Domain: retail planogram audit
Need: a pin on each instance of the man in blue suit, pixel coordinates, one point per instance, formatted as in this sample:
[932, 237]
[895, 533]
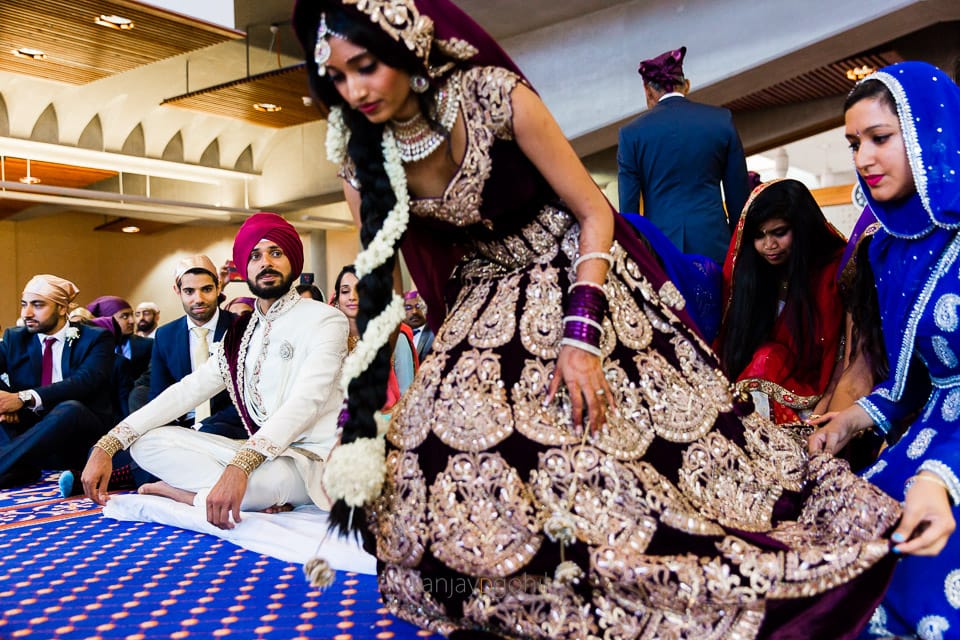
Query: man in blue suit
[674, 157]
[55, 402]
[183, 345]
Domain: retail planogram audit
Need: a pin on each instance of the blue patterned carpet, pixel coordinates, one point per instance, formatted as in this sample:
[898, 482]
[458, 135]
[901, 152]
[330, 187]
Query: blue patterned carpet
[67, 572]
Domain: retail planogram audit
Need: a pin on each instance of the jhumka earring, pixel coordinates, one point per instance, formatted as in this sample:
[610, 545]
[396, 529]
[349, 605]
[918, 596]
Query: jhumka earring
[419, 84]
[321, 51]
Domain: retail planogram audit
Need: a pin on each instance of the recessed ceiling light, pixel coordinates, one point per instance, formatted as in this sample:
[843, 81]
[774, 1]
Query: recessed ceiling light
[30, 180]
[114, 22]
[131, 229]
[267, 107]
[27, 52]
[859, 73]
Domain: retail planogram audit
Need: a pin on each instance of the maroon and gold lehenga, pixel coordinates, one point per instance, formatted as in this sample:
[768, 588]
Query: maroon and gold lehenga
[688, 516]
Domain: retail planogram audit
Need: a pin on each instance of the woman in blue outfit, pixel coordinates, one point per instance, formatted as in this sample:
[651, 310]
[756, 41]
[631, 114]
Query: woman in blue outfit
[902, 124]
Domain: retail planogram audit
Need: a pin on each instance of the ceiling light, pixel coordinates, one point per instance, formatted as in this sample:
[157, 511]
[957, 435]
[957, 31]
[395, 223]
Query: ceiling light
[114, 22]
[28, 179]
[859, 73]
[27, 52]
[267, 107]
[131, 229]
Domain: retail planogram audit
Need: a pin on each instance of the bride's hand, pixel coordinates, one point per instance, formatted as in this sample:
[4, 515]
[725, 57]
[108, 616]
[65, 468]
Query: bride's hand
[836, 429]
[582, 374]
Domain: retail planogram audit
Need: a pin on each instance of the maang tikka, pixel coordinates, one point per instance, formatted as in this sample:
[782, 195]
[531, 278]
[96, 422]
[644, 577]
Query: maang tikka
[321, 51]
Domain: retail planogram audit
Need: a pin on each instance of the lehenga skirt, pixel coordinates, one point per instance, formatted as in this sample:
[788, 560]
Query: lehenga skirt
[686, 516]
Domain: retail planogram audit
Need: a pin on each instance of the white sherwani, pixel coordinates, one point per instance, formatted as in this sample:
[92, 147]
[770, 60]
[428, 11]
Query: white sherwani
[289, 386]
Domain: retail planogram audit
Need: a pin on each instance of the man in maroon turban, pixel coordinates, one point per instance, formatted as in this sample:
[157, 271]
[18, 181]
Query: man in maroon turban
[673, 158]
[281, 365]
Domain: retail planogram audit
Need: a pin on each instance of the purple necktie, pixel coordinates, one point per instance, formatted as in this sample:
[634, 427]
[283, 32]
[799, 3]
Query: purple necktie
[46, 365]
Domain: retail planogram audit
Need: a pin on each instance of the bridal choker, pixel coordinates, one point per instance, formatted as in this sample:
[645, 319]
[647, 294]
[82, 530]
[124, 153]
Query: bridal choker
[416, 139]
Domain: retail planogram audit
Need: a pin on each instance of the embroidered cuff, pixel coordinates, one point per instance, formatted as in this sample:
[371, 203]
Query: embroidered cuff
[267, 448]
[247, 460]
[109, 445]
[879, 420]
[124, 433]
[946, 474]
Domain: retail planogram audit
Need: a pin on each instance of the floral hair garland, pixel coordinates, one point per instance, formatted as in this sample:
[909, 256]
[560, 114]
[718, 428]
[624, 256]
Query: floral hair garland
[364, 454]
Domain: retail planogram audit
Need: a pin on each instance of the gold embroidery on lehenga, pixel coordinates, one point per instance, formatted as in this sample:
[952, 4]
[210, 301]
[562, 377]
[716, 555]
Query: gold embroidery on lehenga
[550, 425]
[709, 381]
[531, 607]
[481, 520]
[720, 481]
[414, 414]
[535, 242]
[671, 296]
[471, 412]
[629, 429]
[541, 325]
[595, 496]
[675, 511]
[631, 325]
[498, 322]
[678, 411]
[777, 455]
[404, 595]
[461, 318]
[672, 597]
[397, 517]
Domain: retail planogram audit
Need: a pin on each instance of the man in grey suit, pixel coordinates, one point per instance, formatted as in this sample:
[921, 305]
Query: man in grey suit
[416, 319]
[674, 157]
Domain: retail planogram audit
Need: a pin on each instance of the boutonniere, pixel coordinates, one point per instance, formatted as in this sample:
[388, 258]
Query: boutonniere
[72, 334]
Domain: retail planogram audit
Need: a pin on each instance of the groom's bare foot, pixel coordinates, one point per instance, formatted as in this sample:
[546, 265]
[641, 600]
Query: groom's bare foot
[279, 508]
[167, 491]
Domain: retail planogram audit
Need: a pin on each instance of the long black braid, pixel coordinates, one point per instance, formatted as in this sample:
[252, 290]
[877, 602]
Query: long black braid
[368, 391]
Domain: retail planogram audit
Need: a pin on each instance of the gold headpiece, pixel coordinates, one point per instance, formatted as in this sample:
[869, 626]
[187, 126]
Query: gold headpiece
[402, 21]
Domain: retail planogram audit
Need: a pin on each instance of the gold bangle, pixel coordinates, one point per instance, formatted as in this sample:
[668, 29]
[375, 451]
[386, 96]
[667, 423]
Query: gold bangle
[933, 479]
[109, 444]
[247, 460]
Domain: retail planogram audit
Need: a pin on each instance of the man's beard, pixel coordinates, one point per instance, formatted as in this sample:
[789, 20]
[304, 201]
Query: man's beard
[271, 292]
[145, 326]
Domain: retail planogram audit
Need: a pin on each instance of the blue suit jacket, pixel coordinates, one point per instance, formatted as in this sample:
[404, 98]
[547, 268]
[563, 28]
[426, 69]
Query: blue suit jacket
[86, 364]
[676, 155]
[170, 362]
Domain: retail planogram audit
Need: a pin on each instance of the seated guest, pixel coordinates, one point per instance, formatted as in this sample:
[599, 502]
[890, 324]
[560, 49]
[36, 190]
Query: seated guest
[311, 291]
[57, 402]
[147, 316]
[416, 310]
[404, 359]
[184, 345]
[282, 366]
[79, 315]
[240, 306]
[780, 335]
[134, 348]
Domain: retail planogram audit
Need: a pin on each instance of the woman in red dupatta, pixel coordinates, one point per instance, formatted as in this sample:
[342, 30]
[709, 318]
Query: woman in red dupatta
[783, 315]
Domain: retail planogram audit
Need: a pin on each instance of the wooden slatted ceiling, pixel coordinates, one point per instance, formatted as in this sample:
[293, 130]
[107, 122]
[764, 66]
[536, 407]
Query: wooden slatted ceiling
[50, 174]
[53, 174]
[285, 87]
[79, 51]
[829, 80]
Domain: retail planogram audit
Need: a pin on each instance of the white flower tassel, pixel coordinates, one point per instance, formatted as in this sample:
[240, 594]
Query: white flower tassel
[319, 573]
[354, 472]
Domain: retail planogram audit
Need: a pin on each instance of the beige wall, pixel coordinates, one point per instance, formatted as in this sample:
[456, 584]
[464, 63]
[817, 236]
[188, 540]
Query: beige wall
[133, 266]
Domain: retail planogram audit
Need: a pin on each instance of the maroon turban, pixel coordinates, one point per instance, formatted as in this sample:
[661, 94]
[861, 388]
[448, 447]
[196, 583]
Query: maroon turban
[267, 226]
[106, 306]
[665, 70]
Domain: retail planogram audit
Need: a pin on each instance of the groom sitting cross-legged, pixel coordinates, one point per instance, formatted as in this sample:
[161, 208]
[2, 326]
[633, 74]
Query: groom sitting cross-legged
[281, 365]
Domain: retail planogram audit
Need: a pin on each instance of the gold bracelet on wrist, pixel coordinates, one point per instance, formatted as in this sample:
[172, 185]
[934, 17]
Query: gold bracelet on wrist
[933, 479]
[247, 460]
[110, 444]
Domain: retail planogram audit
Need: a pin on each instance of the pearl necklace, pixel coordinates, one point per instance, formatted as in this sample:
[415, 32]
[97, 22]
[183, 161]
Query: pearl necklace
[416, 139]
